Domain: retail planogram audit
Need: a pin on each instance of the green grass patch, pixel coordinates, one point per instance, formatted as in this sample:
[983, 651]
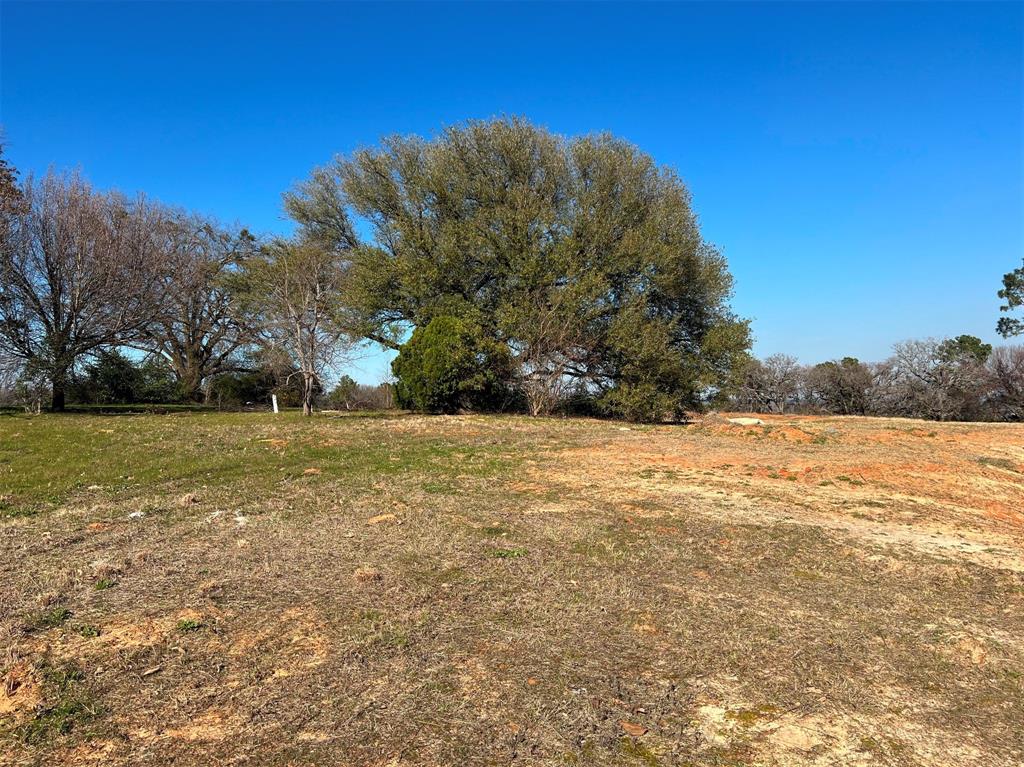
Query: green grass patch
[509, 553]
[52, 618]
[48, 460]
[67, 705]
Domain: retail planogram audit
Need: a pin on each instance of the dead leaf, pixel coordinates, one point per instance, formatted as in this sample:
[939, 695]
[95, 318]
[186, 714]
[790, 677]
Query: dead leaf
[631, 728]
[381, 518]
[311, 472]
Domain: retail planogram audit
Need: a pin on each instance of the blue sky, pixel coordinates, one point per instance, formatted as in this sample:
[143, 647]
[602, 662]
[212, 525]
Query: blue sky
[859, 164]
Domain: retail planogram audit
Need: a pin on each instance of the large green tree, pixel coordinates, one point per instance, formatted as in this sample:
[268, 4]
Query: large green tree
[582, 256]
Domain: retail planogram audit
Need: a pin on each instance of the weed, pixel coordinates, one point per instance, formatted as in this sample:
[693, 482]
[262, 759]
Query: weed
[509, 553]
[88, 631]
[189, 625]
[52, 618]
[104, 583]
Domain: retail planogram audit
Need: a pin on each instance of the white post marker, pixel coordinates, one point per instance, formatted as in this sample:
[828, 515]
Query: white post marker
[273, 400]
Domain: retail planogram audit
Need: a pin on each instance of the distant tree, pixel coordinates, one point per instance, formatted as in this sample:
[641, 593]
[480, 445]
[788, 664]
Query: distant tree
[349, 395]
[10, 372]
[114, 378]
[32, 386]
[582, 257]
[254, 386]
[964, 349]
[1005, 369]
[1013, 294]
[77, 273]
[343, 393]
[293, 291]
[771, 384]
[111, 378]
[941, 380]
[449, 365]
[11, 203]
[197, 325]
[841, 386]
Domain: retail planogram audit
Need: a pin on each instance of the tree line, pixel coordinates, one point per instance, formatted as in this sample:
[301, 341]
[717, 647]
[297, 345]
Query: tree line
[509, 267]
[954, 379]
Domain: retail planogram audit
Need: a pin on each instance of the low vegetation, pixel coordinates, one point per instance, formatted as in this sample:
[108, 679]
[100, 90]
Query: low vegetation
[394, 589]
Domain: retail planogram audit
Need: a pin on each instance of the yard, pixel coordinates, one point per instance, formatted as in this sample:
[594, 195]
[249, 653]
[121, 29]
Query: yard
[396, 590]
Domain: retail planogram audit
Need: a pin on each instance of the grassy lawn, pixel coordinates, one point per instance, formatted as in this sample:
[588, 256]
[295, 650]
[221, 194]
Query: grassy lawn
[204, 588]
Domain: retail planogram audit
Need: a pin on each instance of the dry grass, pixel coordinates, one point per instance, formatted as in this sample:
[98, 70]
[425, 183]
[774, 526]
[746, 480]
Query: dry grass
[204, 589]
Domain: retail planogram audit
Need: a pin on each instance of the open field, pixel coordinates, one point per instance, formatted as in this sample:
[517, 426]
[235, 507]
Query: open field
[197, 589]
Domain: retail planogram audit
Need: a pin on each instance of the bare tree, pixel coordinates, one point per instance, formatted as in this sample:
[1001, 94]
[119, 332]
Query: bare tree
[772, 384]
[1005, 373]
[940, 380]
[293, 290]
[77, 272]
[840, 386]
[198, 327]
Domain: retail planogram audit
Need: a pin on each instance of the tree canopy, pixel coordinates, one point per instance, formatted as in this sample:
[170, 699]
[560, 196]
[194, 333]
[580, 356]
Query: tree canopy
[581, 256]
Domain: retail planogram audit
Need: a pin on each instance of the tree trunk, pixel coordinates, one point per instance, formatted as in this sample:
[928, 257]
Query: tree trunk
[307, 395]
[190, 382]
[57, 403]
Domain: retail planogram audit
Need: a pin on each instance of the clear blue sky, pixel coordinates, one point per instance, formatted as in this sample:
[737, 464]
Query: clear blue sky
[860, 164]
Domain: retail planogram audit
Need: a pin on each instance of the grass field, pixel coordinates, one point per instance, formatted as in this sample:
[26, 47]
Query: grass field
[200, 588]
